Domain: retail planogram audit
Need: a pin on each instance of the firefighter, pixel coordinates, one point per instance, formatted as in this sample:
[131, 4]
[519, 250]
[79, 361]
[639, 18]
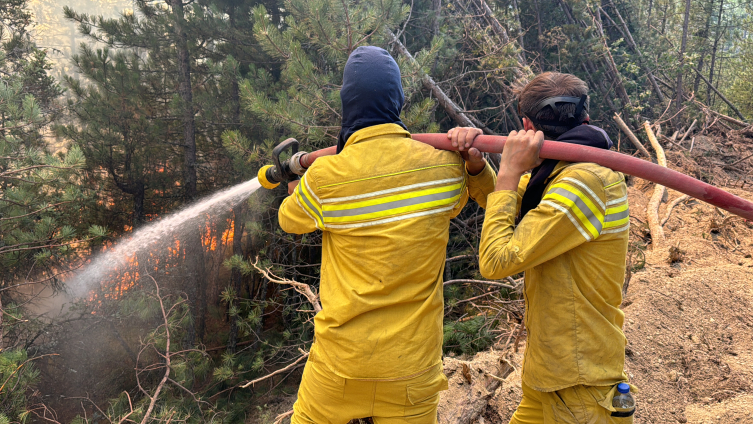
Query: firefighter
[571, 240]
[384, 205]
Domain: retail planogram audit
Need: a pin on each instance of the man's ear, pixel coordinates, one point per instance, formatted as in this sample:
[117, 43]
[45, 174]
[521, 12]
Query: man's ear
[528, 125]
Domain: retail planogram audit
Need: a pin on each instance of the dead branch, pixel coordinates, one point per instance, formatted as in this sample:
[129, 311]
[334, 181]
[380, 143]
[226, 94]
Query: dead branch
[672, 206]
[711, 86]
[301, 288]
[741, 160]
[652, 210]
[279, 418]
[452, 109]
[633, 139]
[281, 370]
[166, 356]
[684, 136]
[722, 116]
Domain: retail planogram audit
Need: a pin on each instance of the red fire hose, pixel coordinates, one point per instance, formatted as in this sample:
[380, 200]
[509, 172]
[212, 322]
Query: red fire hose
[610, 159]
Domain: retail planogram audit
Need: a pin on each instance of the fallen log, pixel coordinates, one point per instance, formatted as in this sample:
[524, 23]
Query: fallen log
[652, 210]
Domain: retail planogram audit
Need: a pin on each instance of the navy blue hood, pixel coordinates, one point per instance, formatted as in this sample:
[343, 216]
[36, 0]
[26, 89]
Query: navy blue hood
[372, 93]
[584, 135]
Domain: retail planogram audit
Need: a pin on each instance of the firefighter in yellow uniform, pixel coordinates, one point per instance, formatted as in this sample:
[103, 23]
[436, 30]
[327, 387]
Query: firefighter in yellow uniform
[384, 205]
[571, 240]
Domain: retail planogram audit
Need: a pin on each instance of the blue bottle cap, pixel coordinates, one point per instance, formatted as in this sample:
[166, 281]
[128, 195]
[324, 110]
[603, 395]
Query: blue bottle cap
[623, 388]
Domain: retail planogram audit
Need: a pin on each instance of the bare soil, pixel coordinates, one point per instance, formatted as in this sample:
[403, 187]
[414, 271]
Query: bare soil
[689, 315]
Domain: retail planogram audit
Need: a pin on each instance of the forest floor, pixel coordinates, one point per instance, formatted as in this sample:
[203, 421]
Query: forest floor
[688, 315]
[688, 319]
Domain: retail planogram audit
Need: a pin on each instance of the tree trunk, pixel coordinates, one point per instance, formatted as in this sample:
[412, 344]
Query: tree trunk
[516, 10]
[540, 32]
[704, 35]
[436, 7]
[679, 93]
[186, 94]
[138, 216]
[717, 37]
[631, 42]
[194, 257]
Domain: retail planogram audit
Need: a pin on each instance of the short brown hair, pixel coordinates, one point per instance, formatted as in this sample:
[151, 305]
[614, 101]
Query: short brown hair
[551, 84]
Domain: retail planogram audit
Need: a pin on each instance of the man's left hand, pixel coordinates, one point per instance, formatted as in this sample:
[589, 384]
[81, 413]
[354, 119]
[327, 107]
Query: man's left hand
[462, 138]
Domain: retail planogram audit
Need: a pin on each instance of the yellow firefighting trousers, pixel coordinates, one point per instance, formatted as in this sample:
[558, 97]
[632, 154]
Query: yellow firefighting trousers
[324, 397]
[573, 405]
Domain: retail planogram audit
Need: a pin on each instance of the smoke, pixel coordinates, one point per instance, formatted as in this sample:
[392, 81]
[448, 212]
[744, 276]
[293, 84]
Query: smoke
[158, 236]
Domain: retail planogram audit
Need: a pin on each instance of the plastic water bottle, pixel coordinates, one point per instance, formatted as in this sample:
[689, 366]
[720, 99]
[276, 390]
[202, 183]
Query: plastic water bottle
[623, 401]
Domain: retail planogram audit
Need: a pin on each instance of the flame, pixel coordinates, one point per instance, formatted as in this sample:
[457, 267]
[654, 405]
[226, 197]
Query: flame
[215, 237]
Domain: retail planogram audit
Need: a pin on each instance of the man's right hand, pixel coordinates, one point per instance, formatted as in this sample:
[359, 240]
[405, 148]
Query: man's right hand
[462, 138]
[292, 185]
[520, 154]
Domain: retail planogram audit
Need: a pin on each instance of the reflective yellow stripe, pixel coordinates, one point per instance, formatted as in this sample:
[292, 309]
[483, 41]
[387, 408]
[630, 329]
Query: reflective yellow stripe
[614, 184]
[617, 209]
[582, 207]
[397, 210]
[617, 216]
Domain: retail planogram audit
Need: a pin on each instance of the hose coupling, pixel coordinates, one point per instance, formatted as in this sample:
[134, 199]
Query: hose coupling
[295, 163]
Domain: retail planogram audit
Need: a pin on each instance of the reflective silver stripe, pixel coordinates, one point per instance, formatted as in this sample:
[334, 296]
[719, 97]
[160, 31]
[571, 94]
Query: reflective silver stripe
[310, 205]
[392, 190]
[572, 219]
[581, 205]
[617, 230]
[308, 189]
[617, 216]
[298, 200]
[392, 205]
[394, 218]
[616, 201]
[587, 189]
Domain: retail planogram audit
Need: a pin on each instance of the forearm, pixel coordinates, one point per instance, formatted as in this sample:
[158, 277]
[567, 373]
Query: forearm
[497, 255]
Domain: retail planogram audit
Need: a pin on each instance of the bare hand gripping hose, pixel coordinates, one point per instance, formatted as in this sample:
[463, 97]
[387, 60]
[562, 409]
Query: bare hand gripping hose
[575, 153]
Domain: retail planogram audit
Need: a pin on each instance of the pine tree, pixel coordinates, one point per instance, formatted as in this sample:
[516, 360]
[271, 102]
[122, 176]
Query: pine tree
[39, 190]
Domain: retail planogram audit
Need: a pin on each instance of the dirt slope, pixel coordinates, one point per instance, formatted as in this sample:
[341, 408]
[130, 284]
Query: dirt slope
[689, 323]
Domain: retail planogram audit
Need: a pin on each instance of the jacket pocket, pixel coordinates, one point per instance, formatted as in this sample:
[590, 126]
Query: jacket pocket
[428, 387]
[615, 417]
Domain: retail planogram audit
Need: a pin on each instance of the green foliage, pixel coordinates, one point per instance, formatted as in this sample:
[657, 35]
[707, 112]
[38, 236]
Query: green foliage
[39, 187]
[17, 374]
[467, 336]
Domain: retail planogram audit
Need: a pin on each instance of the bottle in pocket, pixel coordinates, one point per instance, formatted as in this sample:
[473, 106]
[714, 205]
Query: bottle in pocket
[623, 402]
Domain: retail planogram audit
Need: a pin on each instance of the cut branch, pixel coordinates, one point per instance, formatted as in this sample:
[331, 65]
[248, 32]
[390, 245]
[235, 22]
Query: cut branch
[633, 139]
[652, 210]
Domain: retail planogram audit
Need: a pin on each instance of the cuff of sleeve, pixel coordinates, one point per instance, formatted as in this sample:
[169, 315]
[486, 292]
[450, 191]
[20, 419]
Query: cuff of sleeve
[503, 201]
[486, 172]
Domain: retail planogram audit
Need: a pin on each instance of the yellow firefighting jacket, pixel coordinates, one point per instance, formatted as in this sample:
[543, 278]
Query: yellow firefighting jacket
[572, 247]
[384, 205]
